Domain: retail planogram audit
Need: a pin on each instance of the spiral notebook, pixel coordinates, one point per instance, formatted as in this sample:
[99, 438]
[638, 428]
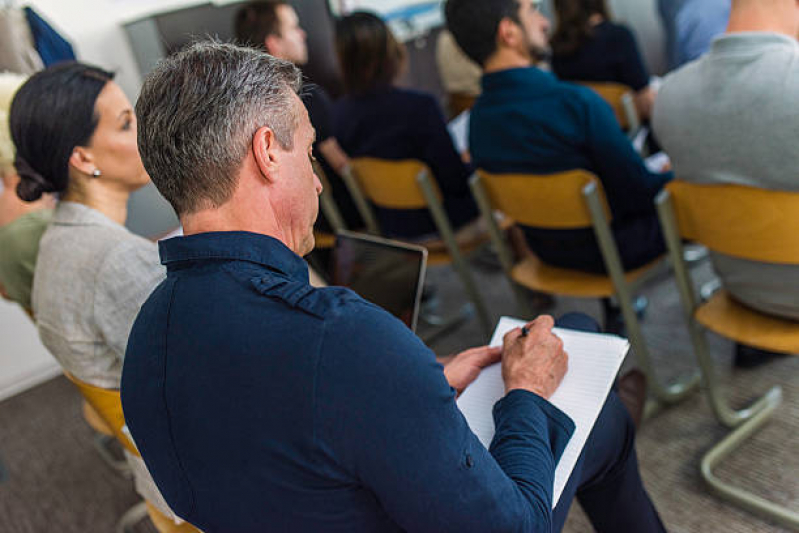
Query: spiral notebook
[594, 361]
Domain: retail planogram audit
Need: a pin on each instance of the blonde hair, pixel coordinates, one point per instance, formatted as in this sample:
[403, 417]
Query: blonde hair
[9, 83]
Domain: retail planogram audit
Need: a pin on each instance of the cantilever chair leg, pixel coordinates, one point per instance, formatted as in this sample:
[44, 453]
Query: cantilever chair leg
[498, 240]
[744, 422]
[103, 445]
[749, 501]
[458, 261]
[670, 393]
[132, 516]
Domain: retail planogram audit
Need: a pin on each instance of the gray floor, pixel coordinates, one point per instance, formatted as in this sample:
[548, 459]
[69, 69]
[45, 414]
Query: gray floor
[56, 481]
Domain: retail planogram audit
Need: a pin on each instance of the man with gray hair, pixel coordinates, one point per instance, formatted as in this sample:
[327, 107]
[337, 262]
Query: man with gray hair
[731, 118]
[262, 404]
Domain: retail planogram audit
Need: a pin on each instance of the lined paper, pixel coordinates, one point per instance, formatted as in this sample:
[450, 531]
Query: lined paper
[594, 361]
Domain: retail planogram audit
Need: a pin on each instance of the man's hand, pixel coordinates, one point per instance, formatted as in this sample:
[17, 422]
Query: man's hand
[466, 366]
[534, 362]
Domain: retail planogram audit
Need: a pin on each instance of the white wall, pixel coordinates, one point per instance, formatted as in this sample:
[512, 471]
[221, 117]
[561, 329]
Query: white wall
[93, 27]
[24, 362]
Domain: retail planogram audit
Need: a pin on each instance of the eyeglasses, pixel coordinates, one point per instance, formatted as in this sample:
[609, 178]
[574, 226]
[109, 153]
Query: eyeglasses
[537, 5]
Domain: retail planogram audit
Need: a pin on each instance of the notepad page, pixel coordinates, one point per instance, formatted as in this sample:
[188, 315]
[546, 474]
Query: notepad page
[594, 361]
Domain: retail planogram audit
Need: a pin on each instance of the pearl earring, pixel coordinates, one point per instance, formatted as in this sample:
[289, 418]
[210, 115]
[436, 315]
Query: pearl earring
[97, 173]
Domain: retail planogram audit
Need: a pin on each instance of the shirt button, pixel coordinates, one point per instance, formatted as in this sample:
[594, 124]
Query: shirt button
[469, 461]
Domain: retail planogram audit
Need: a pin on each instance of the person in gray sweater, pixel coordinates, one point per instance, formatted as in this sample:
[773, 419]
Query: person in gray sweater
[732, 117]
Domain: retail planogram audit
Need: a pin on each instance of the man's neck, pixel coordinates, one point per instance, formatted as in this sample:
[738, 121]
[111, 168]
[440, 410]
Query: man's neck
[755, 17]
[506, 60]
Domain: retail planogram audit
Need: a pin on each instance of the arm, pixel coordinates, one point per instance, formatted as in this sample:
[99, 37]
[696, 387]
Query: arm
[130, 272]
[632, 72]
[408, 443]
[333, 154]
[629, 186]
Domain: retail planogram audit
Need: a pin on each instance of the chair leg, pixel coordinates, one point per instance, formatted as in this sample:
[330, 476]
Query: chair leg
[132, 516]
[103, 445]
[444, 326]
[761, 413]
[669, 393]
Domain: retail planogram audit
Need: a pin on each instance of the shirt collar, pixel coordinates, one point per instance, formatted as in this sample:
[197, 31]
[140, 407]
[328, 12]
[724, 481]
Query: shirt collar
[750, 41]
[235, 246]
[75, 214]
[512, 78]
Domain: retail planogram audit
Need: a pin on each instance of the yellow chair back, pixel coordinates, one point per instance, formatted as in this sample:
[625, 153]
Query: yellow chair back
[108, 404]
[744, 222]
[553, 201]
[613, 94]
[391, 184]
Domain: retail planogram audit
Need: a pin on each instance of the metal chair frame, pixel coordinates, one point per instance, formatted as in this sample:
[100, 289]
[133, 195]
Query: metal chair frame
[667, 394]
[744, 422]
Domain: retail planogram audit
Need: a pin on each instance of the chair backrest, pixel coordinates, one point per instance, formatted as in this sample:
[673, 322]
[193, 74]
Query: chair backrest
[553, 201]
[744, 222]
[391, 184]
[108, 404]
[619, 96]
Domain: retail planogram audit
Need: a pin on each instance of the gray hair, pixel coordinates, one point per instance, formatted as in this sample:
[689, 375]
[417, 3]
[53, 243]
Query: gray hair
[198, 111]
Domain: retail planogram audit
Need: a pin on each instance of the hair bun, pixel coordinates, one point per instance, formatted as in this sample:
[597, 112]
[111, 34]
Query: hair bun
[31, 184]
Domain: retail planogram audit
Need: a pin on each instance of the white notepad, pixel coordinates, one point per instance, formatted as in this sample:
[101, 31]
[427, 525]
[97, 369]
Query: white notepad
[594, 361]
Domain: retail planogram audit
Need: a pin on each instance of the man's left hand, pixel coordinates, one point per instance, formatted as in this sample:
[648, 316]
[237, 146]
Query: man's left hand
[466, 366]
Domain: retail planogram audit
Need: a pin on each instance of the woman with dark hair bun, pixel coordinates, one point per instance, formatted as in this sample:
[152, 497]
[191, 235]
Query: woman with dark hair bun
[377, 119]
[587, 47]
[75, 134]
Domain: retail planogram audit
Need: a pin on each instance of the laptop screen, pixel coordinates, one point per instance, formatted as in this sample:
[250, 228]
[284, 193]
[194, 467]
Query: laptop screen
[387, 273]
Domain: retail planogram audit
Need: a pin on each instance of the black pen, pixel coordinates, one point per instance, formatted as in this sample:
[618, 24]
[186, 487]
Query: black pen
[525, 331]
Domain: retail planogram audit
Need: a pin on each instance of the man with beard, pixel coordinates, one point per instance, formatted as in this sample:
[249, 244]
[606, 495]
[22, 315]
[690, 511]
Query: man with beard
[527, 121]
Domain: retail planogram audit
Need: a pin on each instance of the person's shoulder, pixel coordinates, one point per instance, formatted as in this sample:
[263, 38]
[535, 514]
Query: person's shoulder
[616, 31]
[327, 303]
[414, 97]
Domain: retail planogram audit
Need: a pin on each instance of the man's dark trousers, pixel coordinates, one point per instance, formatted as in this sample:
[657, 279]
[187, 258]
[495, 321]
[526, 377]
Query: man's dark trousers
[606, 480]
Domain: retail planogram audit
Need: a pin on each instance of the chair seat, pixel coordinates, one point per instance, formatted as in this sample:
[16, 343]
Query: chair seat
[324, 240]
[164, 524]
[532, 273]
[723, 315]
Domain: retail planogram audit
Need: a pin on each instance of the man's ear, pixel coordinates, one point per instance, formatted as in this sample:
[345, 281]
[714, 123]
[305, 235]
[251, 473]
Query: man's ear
[265, 150]
[270, 44]
[82, 160]
[507, 33]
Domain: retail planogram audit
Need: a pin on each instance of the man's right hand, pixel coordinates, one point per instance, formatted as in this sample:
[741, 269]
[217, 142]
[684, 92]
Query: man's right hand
[535, 362]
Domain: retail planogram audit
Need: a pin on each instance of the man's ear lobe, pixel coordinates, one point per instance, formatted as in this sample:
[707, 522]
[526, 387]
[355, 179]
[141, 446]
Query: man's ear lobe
[265, 151]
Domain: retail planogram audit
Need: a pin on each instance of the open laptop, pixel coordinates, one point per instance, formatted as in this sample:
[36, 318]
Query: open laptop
[387, 273]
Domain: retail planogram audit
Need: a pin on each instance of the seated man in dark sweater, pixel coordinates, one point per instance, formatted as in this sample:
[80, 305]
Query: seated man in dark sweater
[260, 403]
[526, 121]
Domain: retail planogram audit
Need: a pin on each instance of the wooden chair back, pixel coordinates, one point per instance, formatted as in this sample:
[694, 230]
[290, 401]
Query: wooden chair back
[614, 94]
[108, 404]
[744, 222]
[391, 184]
[551, 201]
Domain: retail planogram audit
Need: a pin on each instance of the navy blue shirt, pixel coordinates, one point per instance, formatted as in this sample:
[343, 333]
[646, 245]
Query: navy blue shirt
[260, 403]
[393, 123]
[610, 54]
[527, 121]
